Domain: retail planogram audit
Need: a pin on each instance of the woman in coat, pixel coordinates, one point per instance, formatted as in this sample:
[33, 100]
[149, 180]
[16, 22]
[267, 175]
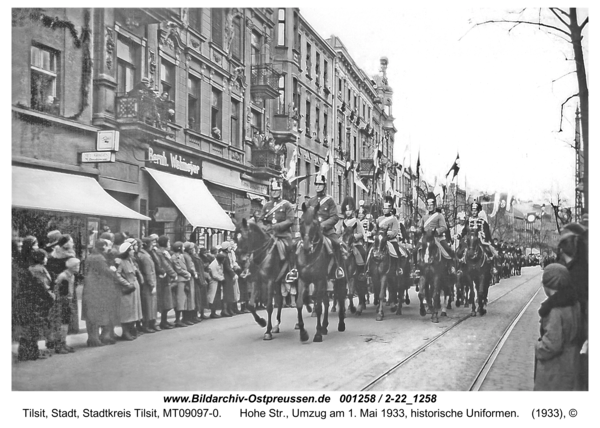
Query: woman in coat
[229, 300]
[190, 313]
[201, 283]
[129, 279]
[99, 301]
[557, 349]
[166, 277]
[148, 271]
[182, 285]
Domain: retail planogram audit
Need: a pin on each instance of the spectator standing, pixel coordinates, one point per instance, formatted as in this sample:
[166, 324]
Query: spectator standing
[182, 285]
[148, 271]
[215, 284]
[64, 290]
[129, 279]
[229, 300]
[164, 281]
[201, 264]
[190, 313]
[557, 349]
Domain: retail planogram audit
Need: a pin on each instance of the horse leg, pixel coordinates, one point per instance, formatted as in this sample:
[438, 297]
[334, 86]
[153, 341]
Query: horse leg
[268, 335]
[279, 304]
[320, 294]
[341, 297]
[325, 322]
[252, 307]
[351, 293]
[299, 305]
[422, 296]
[436, 299]
[382, 292]
[360, 291]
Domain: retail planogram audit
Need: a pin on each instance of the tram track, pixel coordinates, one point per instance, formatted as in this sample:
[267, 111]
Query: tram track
[488, 362]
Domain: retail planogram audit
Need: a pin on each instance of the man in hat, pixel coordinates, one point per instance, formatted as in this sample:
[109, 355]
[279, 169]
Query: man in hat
[477, 222]
[328, 218]
[435, 221]
[277, 217]
[350, 221]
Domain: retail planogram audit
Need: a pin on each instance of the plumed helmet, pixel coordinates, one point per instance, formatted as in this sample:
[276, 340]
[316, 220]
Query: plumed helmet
[348, 204]
[389, 202]
[476, 206]
[320, 179]
[363, 210]
[431, 196]
[275, 185]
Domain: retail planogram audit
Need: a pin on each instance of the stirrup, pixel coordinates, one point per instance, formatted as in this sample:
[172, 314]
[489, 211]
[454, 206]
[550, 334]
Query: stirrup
[339, 273]
[292, 276]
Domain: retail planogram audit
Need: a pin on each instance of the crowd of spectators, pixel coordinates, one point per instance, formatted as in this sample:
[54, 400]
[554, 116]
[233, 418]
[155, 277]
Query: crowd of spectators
[127, 282]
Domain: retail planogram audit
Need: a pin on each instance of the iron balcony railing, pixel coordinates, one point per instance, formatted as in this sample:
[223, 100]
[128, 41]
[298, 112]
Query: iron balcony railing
[146, 107]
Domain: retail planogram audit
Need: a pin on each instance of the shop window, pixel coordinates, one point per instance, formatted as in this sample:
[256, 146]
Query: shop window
[194, 103]
[281, 27]
[235, 123]
[281, 99]
[44, 73]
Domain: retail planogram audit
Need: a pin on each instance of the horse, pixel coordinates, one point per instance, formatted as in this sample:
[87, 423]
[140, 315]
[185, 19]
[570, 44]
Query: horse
[478, 268]
[464, 281]
[266, 270]
[313, 263]
[432, 272]
[357, 282]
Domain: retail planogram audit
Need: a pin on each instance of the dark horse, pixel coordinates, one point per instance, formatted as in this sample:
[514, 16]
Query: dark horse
[266, 270]
[357, 281]
[313, 263]
[432, 269]
[478, 269]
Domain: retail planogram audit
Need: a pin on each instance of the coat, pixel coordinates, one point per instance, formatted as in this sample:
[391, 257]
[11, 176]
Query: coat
[328, 213]
[557, 351]
[35, 298]
[182, 283]
[148, 271]
[131, 304]
[163, 289]
[278, 218]
[229, 282]
[101, 297]
[190, 294]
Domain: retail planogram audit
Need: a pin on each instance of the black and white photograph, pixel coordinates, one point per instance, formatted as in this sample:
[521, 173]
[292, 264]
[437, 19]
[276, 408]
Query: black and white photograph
[344, 210]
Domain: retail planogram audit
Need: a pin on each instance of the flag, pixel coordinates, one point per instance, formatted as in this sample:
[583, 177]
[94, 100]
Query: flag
[509, 199]
[496, 204]
[455, 167]
[358, 181]
[503, 203]
[294, 181]
[419, 166]
[403, 160]
[292, 169]
[324, 170]
[387, 183]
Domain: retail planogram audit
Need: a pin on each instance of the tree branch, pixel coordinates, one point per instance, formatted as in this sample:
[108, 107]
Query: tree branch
[559, 17]
[564, 75]
[537, 24]
[562, 106]
[584, 23]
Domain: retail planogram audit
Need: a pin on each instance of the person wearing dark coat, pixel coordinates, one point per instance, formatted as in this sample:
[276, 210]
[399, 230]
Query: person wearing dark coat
[557, 349]
[34, 301]
[164, 281]
[201, 283]
[190, 313]
[228, 284]
[148, 271]
[182, 283]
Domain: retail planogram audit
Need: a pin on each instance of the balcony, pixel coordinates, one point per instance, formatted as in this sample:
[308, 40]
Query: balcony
[366, 167]
[266, 163]
[264, 81]
[144, 111]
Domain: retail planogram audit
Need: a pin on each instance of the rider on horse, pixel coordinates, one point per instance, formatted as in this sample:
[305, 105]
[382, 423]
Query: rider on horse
[476, 222]
[363, 216]
[389, 224]
[350, 221]
[328, 218]
[434, 220]
[278, 217]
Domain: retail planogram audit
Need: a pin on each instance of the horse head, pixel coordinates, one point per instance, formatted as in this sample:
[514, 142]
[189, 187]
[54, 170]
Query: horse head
[429, 246]
[348, 240]
[310, 227]
[249, 236]
[380, 248]
[473, 245]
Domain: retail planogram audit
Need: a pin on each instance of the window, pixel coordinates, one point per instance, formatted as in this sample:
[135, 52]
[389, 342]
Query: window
[235, 128]
[195, 19]
[340, 133]
[355, 102]
[296, 94]
[256, 43]
[340, 192]
[364, 110]
[216, 19]
[296, 32]
[194, 103]
[318, 66]
[317, 122]
[307, 118]
[281, 98]
[308, 59]
[43, 80]
[281, 27]
[325, 72]
[349, 99]
[369, 112]
[307, 188]
[167, 79]
[355, 148]
[215, 113]
[236, 43]
[256, 123]
[325, 121]
[126, 65]
[340, 87]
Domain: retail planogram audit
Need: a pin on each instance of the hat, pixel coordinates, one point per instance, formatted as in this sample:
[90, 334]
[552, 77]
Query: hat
[108, 236]
[576, 228]
[556, 277]
[320, 179]
[389, 202]
[476, 205]
[566, 234]
[163, 241]
[154, 236]
[72, 261]
[226, 245]
[348, 204]
[275, 185]
[147, 240]
[63, 240]
[177, 246]
[53, 237]
[188, 245]
[431, 195]
[124, 247]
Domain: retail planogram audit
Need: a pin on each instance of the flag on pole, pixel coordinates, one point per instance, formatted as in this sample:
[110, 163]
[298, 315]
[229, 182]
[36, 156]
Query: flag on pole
[292, 169]
[358, 181]
[294, 181]
[455, 167]
[496, 204]
[419, 166]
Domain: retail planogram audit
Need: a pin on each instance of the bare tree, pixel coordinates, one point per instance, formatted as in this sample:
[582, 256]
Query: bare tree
[563, 23]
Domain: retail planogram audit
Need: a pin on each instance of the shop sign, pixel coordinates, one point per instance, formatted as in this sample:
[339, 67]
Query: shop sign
[258, 188]
[107, 141]
[173, 161]
[97, 157]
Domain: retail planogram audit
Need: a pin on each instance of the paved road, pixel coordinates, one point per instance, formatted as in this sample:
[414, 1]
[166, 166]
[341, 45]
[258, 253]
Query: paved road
[230, 354]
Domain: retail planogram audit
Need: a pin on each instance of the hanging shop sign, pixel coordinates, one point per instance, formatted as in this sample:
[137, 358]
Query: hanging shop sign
[107, 141]
[97, 157]
[173, 162]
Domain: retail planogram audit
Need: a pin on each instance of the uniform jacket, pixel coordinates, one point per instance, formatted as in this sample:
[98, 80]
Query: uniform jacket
[390, 225]
[359, 232]
[280, 221]
[368, 227]
[437, 223]
[478, 224]
[328, 213]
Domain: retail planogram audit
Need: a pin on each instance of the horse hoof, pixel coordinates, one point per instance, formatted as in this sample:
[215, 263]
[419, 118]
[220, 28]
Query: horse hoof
[429, 312]
[407, 301]
[435, 319]
[318, 338]
[379, 317]
[352, 310]
[303, 335]
[341, 326]
[324, 331]
[394, 309]
[399, 311]
[268, 336]
[275, 329]
[297, 326]
[261, 322]
[422, 311]
[308, 309]
[443, 314]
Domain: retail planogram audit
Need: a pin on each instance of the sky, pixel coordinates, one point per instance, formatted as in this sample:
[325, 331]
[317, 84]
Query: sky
[490, 95]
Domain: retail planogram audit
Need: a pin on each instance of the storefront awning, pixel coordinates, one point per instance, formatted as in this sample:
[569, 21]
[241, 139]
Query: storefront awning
[38, 189]
[193, 199]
